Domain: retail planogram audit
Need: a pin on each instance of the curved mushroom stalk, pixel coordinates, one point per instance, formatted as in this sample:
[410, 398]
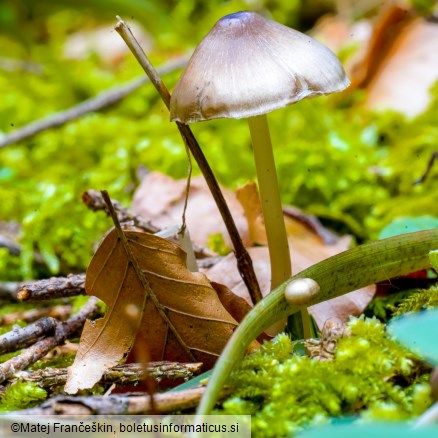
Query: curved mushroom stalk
[270, 200]
[245, 67]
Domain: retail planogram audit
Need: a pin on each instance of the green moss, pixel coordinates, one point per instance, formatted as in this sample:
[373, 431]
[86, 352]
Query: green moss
[370, 374]
[425, 7]
[217, 244]
[335, 159]
[21, 395]
[62, 361]
[383, 307]
[418, 300]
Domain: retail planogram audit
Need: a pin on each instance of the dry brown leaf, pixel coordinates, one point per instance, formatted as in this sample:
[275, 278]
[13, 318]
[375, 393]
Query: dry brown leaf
[403, 82]
[307, 244]
[248, 196]
[235, 305]
[297, 222]
[304, 252]
[159, 192]
[186, 298]
[399, 64]
[238, 308]
[160, 199]
[104, 43]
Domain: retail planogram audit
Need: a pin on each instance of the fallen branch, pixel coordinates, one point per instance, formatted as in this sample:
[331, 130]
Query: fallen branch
[96, 103]
[8, 290]
[59, 287]
[311, 222]
[94, 201]
[63, 331]
[14, 65]
[13, 247]
[21, 337]
[55, 287]
[426, 173]
[124, 404]
[120, 375]
[58, 312]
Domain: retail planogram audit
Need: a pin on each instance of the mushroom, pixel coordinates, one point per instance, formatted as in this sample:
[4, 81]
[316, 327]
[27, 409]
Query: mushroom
[245, 67]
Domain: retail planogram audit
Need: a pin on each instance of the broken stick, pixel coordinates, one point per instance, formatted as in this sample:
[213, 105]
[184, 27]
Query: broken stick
[60, 312]
[120, 375]
[123, 404]
[55, 287]
[21, 337]
[63, 330]
[94, 201]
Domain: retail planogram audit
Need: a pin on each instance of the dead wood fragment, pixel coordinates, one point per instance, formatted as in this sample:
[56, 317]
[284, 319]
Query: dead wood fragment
[124, 404]
[13, 247]
[434, 384]
[94, 201]
[121, 375]
[20, 65]
[426, 173]
[55, 287]
[313, 223]
[102, 100]
[21, 337]
[209, 262]
[8, 290]
[63, 330]
[58, 312]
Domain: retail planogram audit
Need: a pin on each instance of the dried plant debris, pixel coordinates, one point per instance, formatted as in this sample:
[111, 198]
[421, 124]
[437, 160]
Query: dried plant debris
[148, 289]
[325, 347]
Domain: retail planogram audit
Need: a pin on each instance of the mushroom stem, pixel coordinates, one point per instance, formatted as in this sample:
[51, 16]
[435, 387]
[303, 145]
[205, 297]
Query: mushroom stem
[270, 199]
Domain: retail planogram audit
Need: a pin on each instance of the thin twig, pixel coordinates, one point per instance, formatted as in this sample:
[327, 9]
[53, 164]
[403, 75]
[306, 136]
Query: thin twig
[187, 191]
[426, 173]
[312, 222]
[21, 337]
[244, 261]
[13, 65]
[63, 331]
[428, 418]
[149, 293]
[122, 404]
[55, 287]
[102, 100]
[94, 201]
[61, 311]
[8, 290]
[122, 375]
[13, 247]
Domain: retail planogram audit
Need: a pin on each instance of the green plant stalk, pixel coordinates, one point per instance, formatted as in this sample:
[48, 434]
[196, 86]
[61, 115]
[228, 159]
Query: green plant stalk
[270, 200]
[350, 270]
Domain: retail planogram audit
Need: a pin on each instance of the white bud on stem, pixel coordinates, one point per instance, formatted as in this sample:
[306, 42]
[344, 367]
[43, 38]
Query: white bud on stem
[301, 291]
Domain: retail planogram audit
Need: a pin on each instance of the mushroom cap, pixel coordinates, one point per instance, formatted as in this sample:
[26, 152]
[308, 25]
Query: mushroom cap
[248, 65]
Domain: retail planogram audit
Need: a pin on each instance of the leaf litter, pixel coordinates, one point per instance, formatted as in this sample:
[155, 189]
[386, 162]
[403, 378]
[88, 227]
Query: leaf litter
[186, 322]
[180, 313]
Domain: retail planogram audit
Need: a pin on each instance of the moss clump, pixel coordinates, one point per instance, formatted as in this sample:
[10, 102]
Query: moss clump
[418, 300]
[285, 392]
[21, 395]
[62, 361]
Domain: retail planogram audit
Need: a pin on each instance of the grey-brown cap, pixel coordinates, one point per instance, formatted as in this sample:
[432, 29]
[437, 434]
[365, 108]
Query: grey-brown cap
[248, 65]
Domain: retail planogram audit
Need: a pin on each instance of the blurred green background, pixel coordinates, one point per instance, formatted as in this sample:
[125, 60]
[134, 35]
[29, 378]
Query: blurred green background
[352, 167]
